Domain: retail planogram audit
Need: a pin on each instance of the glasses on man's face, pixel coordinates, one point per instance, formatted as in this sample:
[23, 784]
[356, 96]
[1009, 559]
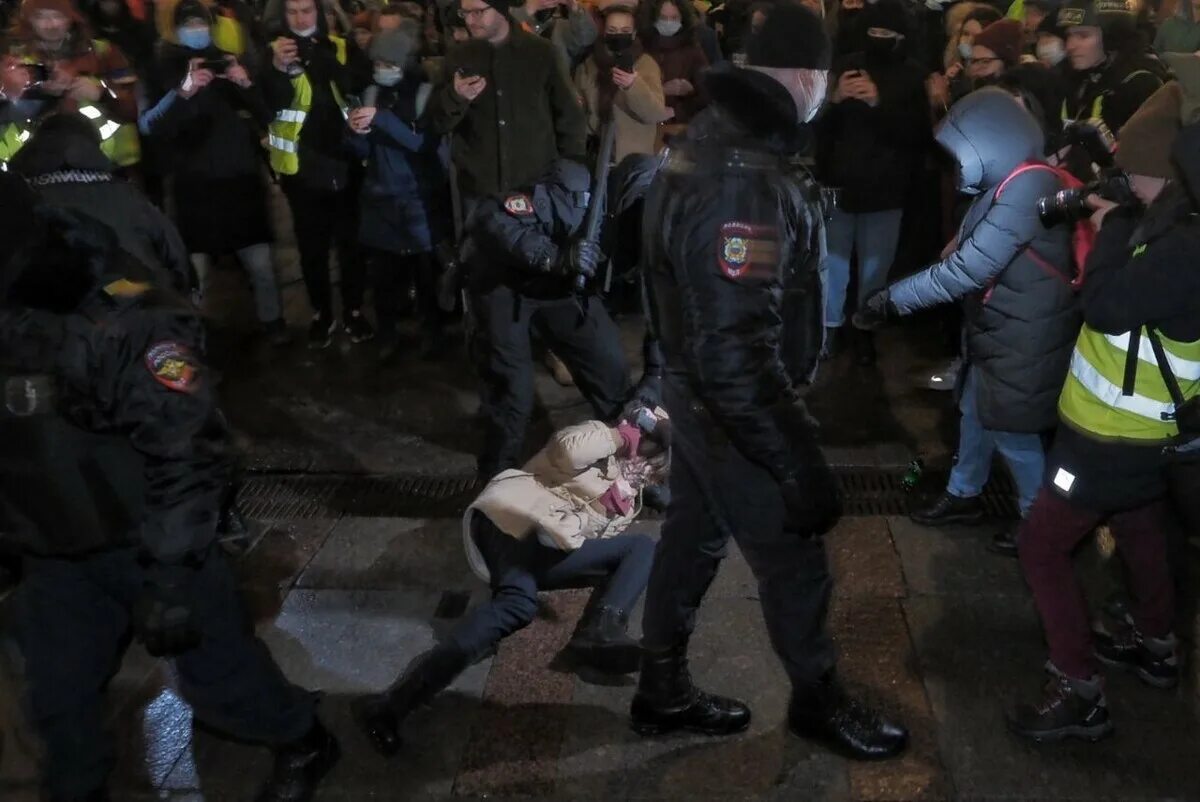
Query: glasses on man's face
[982, 61]
[473, 13]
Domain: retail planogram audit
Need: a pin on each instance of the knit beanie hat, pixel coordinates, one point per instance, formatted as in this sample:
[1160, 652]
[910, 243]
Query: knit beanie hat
[1004, 38]
[887, 14]
[792, 38]
[191, 9]
[1145, 142]
[501, 6]
[396, 46]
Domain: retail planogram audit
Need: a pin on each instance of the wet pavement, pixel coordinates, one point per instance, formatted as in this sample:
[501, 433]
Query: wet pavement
[929, 624]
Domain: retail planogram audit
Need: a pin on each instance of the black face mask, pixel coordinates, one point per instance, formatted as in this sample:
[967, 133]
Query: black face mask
[618, 42]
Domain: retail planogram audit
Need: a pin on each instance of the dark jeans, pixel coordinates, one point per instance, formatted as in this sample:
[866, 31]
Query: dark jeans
[520, 568]
[584, 337]
[324, 219]
[73, 626]
[391, 274]
[718, 494]
[1047, 539]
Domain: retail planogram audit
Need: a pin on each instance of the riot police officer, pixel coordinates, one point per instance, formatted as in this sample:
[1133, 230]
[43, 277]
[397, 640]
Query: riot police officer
[526, 264]
[115, 462]
[735, 285]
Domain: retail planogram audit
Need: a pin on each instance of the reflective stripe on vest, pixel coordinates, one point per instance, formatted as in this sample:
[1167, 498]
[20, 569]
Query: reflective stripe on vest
[12, 138]
[283, 134]
[1093, 397]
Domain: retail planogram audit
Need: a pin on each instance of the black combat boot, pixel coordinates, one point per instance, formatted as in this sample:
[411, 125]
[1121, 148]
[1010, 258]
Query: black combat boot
[300, 766]
[822, 712]
[380, 715]
[1069, 708]
[950, 509]
[603, 643]
[666, 700]
[1154, 660]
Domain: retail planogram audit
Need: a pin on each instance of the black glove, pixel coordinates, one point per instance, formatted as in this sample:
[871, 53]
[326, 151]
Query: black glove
[878, 310]
[810, 512]
[162, 615]
[583, 258]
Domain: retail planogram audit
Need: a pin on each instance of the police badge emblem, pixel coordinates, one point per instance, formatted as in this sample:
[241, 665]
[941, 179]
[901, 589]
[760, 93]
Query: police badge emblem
[172, 365]
[518, 205]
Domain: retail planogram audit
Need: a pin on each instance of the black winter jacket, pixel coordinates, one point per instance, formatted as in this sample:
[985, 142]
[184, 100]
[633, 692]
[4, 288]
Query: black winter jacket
[873, 154]
[733, 253]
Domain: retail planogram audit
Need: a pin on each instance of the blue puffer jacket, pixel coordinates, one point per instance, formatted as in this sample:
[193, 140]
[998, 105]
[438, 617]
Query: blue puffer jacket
[1011, 272]
[404, 204]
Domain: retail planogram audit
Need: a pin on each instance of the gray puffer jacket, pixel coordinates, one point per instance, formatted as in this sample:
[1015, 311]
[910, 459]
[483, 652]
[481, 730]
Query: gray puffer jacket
[1012, 273]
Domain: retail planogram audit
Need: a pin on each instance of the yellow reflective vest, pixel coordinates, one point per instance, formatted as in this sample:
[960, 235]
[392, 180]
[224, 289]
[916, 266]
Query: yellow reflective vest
[114, 142]
[1093, 399]
[283, 134]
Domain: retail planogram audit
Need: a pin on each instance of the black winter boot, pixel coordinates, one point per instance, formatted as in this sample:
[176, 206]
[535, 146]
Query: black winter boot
[1155, 661]
[950, 509]
[822, 712]
[380, 715]
[1069, 708]
[666, 700]
[603, 643]
[300, 766]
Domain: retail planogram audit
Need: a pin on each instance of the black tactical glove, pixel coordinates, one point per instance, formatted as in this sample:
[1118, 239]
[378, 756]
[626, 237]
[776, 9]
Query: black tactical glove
[582, 258]
[878, 310]
[162, 615]
[809, 511]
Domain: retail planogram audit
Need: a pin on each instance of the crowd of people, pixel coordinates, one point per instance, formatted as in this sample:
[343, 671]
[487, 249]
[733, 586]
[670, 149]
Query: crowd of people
[761, 173]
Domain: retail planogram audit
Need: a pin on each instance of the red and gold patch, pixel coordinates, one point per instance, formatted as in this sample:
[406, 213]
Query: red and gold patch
[518, 205]
[747, 251]
[172, 365]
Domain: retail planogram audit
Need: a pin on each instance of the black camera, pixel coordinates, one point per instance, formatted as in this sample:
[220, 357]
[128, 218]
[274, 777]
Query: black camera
[1094, 139]
[1070, 205]
[217, 66]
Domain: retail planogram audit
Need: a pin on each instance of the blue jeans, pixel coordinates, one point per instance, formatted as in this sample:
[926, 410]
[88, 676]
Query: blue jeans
[874, 235]
[1023, 453]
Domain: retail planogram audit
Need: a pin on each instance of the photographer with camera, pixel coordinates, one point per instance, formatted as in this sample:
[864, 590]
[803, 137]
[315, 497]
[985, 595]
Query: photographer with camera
[1129, 406]
[1014, 278]
[1112, 73]
[66, 69]
[306, 85]
[206, 125]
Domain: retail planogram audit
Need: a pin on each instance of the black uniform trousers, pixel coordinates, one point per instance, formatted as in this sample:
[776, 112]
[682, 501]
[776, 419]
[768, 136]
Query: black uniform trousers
[717, 494]
[73, 626]
[323, 219]
[580, 332]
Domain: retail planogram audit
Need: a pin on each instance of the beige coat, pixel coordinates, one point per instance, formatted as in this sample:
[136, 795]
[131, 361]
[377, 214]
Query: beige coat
[637, 110]
[555, 496]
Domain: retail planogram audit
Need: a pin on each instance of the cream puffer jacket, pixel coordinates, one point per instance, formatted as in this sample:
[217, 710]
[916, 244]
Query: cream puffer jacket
[556, 496]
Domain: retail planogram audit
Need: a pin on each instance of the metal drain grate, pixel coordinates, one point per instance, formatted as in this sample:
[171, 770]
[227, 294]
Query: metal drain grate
[865, 491]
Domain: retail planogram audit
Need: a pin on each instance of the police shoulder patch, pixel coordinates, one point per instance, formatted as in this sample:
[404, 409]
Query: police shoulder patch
[519, 205]
[173, 365]
[748, 251]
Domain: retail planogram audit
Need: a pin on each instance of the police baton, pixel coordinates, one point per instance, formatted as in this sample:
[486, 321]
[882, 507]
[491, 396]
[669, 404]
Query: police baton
[597, 201]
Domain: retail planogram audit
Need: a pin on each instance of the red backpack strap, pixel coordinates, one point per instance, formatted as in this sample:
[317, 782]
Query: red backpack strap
[1022, 168]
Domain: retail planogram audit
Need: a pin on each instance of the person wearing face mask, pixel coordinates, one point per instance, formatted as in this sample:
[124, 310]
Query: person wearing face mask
[621, 83]
[734, 282]
[565, 23]
[849, 32]
[667, 30]
[1050, 49]
[204, 123]
[994, 51]
[964, 22]
[1012, 275]
[870, 145]
[403, 206]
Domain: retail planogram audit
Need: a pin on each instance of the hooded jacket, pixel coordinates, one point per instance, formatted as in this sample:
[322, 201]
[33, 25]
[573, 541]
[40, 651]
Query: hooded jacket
[1012, 273]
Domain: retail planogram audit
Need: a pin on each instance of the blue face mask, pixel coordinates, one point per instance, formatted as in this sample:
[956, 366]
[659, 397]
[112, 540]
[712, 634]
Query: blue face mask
[194, 38]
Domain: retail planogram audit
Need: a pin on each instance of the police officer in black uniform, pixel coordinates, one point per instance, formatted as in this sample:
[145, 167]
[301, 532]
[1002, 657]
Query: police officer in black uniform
[114, 464]
[734, 240]
[526, 265]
